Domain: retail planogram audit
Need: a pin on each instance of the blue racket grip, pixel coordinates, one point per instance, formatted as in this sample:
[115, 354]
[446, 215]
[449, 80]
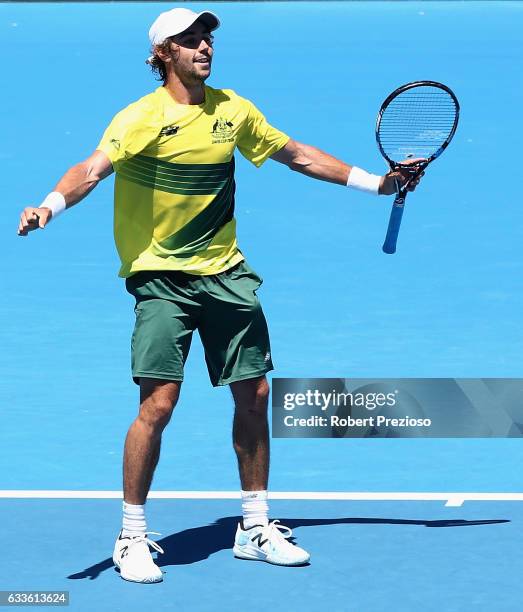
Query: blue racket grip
[389, 246]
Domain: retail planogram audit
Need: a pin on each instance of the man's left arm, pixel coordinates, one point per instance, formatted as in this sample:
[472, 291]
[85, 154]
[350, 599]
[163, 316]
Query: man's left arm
[320, 165]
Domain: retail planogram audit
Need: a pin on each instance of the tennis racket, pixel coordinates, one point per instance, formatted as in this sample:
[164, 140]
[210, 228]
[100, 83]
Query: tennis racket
[418, 120]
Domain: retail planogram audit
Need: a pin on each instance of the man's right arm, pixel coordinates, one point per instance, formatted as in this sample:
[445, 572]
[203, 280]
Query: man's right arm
[76, 183]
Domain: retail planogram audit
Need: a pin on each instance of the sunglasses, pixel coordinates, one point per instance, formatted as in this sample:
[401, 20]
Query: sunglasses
[192, 40]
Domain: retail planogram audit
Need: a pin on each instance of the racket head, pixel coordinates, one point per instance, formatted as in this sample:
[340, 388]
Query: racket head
[417, 120]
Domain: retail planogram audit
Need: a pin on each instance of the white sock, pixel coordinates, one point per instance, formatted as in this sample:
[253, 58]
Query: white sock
[133, 520]
[255, 508]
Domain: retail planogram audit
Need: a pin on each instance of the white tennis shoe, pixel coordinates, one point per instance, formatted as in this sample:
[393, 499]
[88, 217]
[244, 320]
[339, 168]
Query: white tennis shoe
[268, 543]
[133, 557]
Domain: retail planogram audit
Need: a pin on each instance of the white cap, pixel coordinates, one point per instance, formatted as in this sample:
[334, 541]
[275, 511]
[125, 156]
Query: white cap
[178, 20]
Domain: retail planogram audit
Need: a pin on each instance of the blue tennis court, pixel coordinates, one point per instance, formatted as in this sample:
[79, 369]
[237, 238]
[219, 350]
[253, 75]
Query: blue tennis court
[447, 304]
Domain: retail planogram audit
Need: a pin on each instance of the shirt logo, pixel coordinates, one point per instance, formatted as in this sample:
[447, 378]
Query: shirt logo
[222, 131]
[170, 130]
[115, 143]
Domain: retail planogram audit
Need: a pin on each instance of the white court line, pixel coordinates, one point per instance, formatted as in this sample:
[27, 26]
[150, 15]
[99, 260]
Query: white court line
[455, 499]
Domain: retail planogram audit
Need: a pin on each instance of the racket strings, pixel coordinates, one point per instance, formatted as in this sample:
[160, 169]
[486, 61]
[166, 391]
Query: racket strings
[417, 123]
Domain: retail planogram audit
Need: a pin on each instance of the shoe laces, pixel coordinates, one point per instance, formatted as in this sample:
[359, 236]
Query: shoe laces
[143, 538]
[277, 531]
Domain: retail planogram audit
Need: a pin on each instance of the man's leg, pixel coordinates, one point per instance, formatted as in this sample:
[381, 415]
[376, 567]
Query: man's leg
[142, 445]
[142, 450]
[256, 538]
[238, 353]
[251, 432]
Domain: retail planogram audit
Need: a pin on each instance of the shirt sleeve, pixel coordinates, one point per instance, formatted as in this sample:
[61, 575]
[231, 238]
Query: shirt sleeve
[129, 133]
[258, 140]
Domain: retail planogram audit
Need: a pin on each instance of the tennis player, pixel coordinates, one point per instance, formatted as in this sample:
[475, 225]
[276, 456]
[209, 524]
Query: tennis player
[173, 155]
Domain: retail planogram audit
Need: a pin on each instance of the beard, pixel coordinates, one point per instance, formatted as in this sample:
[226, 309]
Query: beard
[197, 75]
[191, 73]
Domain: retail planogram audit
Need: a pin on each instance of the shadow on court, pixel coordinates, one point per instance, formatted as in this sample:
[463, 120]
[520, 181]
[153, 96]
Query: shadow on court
[197, 544]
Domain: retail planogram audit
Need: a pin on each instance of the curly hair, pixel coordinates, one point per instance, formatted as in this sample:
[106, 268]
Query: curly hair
[157, 65]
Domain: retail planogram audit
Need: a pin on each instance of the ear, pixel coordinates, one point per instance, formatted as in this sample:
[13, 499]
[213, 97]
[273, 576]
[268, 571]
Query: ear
[166, 52]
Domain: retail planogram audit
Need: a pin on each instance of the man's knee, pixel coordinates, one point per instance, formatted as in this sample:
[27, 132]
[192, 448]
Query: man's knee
[262, 392]
[251, 395]
[157, 402]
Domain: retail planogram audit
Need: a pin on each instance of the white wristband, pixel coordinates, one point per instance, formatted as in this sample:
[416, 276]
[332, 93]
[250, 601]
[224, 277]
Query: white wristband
[363, 181]
[56, 202]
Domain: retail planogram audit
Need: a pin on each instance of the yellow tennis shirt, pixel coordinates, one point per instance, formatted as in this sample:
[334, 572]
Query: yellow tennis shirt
[174, 185]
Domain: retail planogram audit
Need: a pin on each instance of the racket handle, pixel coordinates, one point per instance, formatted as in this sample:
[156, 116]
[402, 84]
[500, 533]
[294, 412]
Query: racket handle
[389, 246]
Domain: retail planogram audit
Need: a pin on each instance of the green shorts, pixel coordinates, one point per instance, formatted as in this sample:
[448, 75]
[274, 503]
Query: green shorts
[223, 308]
